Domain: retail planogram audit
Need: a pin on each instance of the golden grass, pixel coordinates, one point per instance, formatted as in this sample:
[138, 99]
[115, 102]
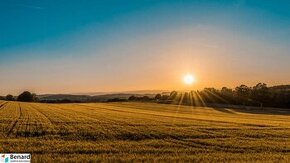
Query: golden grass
[113, 132]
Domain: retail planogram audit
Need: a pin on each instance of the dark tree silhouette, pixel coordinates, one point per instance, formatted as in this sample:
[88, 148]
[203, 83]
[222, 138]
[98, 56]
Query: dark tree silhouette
[157, 97]
[26, 97]
[142, 98]
[243, 91]
[9, 98]
[132, 98]
[172, 95]
[258, 95]
[226, 91]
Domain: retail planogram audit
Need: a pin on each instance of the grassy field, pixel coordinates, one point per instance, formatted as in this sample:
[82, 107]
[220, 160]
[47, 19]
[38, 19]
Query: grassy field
[144, 132]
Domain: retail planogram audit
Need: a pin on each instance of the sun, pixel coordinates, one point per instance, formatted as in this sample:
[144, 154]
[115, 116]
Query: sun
[188, 79]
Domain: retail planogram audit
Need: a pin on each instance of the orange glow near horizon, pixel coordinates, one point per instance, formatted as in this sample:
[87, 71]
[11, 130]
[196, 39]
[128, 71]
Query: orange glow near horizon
[214, 57]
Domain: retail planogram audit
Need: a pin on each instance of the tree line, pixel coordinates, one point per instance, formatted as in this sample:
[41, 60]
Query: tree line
[26, 96]
[258, 95]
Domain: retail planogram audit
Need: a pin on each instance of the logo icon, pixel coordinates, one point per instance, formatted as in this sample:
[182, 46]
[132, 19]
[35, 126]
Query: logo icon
[4, 158]
[15, 157]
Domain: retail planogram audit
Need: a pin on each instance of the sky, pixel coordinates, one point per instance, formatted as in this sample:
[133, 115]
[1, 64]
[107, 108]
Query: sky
[71, 46]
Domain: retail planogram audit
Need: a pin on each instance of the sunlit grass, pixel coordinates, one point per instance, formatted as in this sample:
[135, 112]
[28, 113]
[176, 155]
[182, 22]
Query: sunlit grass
[142, 132]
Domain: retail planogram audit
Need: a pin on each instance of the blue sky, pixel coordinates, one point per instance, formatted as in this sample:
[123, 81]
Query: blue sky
[98, 39]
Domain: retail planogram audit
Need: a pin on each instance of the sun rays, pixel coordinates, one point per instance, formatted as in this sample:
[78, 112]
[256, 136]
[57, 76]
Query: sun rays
[204, 98]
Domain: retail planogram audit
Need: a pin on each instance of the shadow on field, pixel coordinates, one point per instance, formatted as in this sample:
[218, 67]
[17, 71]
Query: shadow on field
[224, 110]
[250, 109]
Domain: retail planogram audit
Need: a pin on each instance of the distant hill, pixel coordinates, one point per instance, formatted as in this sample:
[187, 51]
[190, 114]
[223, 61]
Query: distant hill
[54, 97]
[142, 92]
[120, 96]
[87, 98]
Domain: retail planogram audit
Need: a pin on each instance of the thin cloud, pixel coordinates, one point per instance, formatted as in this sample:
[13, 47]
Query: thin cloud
[31, 6]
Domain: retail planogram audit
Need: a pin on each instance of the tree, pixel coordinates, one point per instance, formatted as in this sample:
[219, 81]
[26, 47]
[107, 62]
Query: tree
[157, 97]
[243, 91]
[260, 93]
[226, 91]
[9, 98]
[186, 99]
[172, 95]
[145, 98]
[26, 97]
[243, 94]
[34, 97]
[132, 98]
[164, 97]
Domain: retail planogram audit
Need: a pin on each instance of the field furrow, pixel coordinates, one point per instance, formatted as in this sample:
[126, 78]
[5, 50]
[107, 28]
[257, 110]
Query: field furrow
[142, 132]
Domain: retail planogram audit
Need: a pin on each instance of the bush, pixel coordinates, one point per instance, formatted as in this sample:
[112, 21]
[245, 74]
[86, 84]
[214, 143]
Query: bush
[9, 98]
[26, 97]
